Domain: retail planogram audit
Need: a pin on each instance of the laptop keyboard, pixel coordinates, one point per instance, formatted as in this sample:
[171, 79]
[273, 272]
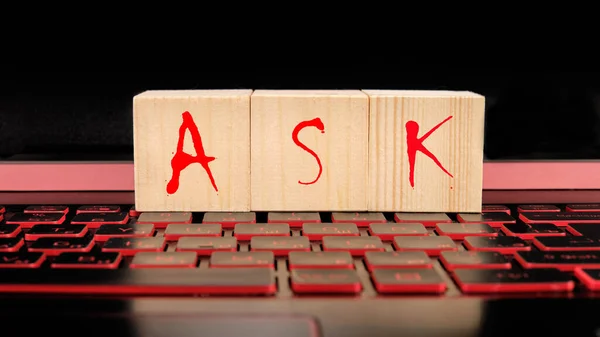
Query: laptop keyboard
[113, 249]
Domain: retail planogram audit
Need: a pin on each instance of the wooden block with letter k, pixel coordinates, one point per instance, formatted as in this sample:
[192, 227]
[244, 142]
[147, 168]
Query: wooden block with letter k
[309, 150]
[192, 150]
[425, 151]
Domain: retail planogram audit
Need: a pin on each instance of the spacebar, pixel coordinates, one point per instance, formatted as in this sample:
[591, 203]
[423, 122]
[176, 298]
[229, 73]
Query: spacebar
[255, 281]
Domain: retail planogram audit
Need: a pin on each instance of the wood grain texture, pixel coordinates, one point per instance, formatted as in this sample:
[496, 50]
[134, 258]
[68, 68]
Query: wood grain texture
[284, 170]
[457, 144]
[222, 118]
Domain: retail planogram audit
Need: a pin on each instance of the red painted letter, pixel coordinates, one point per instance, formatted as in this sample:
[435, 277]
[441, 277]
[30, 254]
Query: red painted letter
[181, 160]
[317, 123]
[415, 144]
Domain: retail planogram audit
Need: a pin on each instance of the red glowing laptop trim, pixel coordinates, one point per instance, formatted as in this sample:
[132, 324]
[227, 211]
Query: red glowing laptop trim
[118, 176]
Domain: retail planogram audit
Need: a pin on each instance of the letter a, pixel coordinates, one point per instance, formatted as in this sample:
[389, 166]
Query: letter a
[181, 160]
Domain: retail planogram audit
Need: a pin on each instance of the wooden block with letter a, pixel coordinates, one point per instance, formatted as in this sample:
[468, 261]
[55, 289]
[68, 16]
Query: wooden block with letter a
[309, 150]
[425, 151]
[192, 150]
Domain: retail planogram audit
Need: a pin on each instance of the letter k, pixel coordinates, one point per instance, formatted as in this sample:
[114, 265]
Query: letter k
[415, 144]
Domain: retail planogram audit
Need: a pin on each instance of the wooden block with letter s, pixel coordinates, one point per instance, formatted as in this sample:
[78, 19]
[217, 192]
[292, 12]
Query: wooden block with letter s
[309, 150]
[192, 150]
[425, 151]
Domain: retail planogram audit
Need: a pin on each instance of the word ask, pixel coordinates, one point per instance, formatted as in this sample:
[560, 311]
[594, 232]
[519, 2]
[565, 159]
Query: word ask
[181, 160]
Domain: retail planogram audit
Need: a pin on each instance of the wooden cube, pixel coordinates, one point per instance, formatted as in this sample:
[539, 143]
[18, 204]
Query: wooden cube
[309, 150]
[425, 151]
[192, 150]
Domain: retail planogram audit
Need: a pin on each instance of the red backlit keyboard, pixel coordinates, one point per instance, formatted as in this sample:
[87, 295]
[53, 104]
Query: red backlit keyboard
[113, 249]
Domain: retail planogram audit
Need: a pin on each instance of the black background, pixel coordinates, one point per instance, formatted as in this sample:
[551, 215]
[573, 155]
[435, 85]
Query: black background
[529, 115]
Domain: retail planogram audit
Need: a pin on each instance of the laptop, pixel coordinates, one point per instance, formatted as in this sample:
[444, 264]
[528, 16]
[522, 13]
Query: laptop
[74, 249]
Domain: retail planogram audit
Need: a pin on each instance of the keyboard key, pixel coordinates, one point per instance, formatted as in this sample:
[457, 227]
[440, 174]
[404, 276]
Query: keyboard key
[565, 261]
[11, 244]
[95, 220]
[280, 246]
[294, 219]
[106, 232]
[56, 231]
[560, 218]
[327, 260]
[2, 209]
[26, 220]
[583, 208]
[207, 245]
[494, 209]
[432, 245]
[164, 260]
[325, 281]
[566, 243]
[458, 231]
[246, 231]
[162, 220]
[500, 244]
[242, 260]
[528, 232]
[589, 277]
[426, 219]
[587, 230]
[98, 209]
[176, 231]
[46, 209]
[9, 231]
[96, 260]
[474, 260]
[360, 219]
[387, 231]
[356, 246]
[316, 231]
[21, 260]
[499, 281]
[132, 246]
[56, 246]
[228, 220]
[494, 219]
[537, 208]
[396, 260]
[414, 280]
[144, 281]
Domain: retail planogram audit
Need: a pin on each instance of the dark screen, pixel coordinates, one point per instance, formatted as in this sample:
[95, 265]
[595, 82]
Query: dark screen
[529, 115]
